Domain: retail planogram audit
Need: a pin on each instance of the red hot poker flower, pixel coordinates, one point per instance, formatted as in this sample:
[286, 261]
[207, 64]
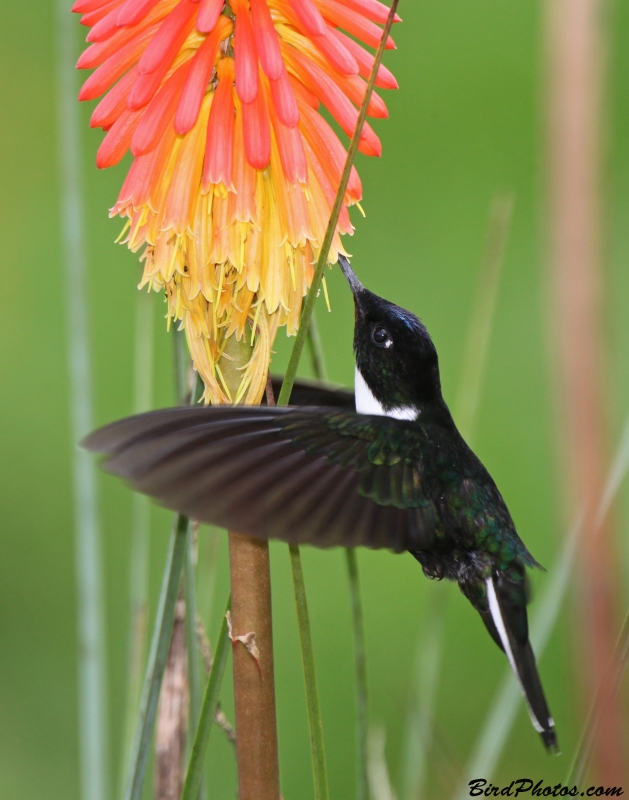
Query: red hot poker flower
[235, 170]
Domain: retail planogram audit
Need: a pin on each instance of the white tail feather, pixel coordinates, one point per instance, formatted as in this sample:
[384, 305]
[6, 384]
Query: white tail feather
[496, 613]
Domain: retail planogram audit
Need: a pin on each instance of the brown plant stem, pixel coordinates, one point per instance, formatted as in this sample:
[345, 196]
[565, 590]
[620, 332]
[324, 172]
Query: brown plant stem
[575, 88]
[172, 714]
[254, 685]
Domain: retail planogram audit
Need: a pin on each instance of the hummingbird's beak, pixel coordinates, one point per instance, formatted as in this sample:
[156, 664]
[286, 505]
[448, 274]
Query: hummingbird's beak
[355, 285]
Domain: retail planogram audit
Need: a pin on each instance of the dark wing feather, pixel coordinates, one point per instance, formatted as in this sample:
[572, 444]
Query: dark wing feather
[315, 393]
[319, 475]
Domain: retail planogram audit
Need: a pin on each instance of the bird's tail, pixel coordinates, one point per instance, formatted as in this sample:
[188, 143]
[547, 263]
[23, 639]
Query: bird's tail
[520, 654]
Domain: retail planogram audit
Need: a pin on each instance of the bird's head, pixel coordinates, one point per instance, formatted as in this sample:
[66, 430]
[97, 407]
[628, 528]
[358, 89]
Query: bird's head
[394, 352]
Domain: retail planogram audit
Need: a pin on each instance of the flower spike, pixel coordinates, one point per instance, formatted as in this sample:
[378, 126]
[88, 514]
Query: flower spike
[235, 170]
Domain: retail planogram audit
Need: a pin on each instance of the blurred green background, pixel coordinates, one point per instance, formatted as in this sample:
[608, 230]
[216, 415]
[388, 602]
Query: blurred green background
[467, 121]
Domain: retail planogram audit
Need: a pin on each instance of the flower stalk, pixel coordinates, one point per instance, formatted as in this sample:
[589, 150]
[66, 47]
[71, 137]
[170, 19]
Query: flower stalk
[208, 711]
[319, 368]
[360, 662]
[315, 720]
[163, 629]
[158, 656]
[194, 665]
[235, 170]
[254, 684]
[312, 695]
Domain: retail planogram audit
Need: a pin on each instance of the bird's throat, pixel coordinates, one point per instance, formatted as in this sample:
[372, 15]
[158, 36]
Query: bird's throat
[366, 403]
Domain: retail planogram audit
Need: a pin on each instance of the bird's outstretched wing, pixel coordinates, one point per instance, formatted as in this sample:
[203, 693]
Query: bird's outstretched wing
[315, 393]
[325, 476]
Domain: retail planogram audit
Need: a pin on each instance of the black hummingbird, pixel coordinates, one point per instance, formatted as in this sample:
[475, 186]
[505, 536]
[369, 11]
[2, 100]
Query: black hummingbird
[395, 473]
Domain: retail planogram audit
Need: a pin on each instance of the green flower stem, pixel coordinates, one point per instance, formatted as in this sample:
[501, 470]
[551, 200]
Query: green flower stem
[362, 785]
[194, 775]
[191, 634]
[188, 394]
[157, 657]
[164, 620]
[194, 671]
[317, 746]
[312, 694]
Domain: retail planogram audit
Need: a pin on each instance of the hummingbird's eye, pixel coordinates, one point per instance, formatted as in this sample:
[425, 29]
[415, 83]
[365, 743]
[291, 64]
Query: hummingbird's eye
[380, 336]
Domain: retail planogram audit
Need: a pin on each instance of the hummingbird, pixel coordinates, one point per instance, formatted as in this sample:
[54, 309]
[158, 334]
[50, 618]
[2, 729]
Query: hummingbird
[392, 473]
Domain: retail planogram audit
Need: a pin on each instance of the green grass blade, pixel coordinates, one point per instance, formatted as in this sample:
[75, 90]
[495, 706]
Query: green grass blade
[360, 665]
[194, 665]
[208, 710]
[362, 784]
[312, 695]
[157, 657]
[317, 743]
[191, 632]
[92, 661]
